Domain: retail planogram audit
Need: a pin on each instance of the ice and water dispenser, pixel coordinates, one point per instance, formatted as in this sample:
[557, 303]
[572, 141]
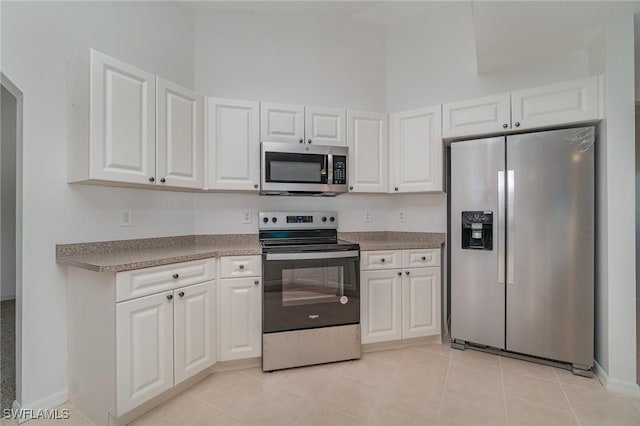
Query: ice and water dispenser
[477, 230]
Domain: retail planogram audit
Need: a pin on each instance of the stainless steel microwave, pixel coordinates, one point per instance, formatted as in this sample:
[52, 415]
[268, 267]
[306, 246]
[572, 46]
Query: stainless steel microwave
[291, 169]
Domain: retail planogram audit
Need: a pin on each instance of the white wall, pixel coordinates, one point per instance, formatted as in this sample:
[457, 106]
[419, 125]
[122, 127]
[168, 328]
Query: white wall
[8, 194]
[37, 40]
[618, 191]
[321, 61]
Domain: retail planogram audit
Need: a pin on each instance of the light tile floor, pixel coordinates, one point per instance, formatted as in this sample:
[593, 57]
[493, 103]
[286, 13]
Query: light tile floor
[423, 385]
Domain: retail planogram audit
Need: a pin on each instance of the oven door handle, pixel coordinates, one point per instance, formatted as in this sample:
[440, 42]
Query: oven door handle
[313, 256]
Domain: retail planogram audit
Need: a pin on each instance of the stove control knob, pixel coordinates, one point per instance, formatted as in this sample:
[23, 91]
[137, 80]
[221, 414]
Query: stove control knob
[274, 219]
[332, 219]
[324, 219]
[265, 219]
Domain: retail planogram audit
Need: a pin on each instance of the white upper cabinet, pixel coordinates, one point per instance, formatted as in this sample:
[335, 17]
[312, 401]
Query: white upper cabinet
[367, 136]
[179, 144]
[557, 104]
[233, 144]
[111, 120]
[325, 126]
[417, 150]
[281, 123]
[491, 114]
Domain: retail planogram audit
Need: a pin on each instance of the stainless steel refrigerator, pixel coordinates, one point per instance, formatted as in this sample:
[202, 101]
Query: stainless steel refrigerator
[522, 244]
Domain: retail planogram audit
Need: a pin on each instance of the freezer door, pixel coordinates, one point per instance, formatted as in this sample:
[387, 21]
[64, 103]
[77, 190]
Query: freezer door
[550, 244]
[477, 275]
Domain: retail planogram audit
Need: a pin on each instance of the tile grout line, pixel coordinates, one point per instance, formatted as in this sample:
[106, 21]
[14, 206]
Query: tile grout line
[504, 390]
[211, 404]
[564, 392]
[444, 388]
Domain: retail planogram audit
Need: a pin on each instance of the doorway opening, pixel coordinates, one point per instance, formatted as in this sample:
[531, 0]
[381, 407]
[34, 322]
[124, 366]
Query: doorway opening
[10, 241]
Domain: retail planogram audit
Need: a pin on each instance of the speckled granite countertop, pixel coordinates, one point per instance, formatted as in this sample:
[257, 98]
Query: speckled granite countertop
[125, 255]
[388, 240]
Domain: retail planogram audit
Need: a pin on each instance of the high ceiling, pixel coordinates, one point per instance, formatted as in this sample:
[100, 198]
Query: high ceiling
[506, 33]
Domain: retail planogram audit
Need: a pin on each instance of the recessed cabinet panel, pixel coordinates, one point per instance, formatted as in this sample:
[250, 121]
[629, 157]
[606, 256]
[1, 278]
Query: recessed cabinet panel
[417, 151]
[368, 151]
[144, 348]
[325, 126]
[233, 144]
[179, 144]
[491, 114]
[420, 302]
[122, 112]
[381, 298]
[281, 123]
[563, 103]
[240, 318]
[194, 329]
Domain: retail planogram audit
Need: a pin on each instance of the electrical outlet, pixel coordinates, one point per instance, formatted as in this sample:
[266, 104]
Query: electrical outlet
[367, 217]
[247, 217]
[401, 216]
[126, 219]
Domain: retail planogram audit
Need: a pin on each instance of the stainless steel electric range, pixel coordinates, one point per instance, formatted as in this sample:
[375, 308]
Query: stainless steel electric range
[311, 296]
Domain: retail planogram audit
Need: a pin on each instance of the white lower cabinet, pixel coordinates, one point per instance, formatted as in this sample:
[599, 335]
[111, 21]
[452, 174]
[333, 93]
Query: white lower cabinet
[144, 348]
[400, 303]
[240, 318]
[162, 340]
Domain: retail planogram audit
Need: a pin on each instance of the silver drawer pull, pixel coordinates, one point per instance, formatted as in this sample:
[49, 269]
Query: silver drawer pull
[175, 276]
[241, 266]
[382, 260]
[424, 258]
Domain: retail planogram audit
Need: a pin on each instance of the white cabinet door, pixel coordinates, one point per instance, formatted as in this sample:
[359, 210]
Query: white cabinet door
[233, 144]
[417, 150]
[179, 144]
[476, 117]
[563, 103]
[144, 349]
[367, 136]
[240, 318]
[123, 127]
[420, 302]
[194, 329]
[325, 126]
[381, 304]
[281, 123]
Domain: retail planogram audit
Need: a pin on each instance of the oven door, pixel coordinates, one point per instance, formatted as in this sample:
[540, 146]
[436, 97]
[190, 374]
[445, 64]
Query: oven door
[310, 289]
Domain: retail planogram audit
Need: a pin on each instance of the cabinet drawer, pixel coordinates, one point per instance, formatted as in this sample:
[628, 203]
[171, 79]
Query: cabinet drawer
[240, 266]
[371, 260]
[142, 282]
[420, 258]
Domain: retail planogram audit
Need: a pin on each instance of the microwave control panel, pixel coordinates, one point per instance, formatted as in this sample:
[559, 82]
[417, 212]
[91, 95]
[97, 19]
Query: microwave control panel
[339, 170]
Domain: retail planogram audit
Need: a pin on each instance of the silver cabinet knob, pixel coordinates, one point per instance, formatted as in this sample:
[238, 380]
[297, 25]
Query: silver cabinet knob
[152, 179]
[382, 260]
[169, 296]
[517, 124]
[241, 266]
[309, 141]
[175, 276]
[505, 125]
[256, 282]
[351, 188]
[423, 258]
[181, 294]
[395, 189]
[163, 180]
[255, 185]
[301, 140]
[399, 273]
[407, 272]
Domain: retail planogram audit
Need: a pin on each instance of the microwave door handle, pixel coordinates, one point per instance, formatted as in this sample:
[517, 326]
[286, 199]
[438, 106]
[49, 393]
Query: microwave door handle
[330, 169]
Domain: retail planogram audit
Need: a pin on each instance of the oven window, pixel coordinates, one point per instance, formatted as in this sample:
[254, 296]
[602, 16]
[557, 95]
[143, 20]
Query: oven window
[304, 286]
[290, 171]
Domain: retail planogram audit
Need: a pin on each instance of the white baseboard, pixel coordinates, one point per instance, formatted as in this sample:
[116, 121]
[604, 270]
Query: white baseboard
[614, 385]
[51, 401]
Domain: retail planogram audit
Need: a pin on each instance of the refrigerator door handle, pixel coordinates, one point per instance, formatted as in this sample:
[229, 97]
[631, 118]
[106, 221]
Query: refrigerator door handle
[511, 252]
[500, 229]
